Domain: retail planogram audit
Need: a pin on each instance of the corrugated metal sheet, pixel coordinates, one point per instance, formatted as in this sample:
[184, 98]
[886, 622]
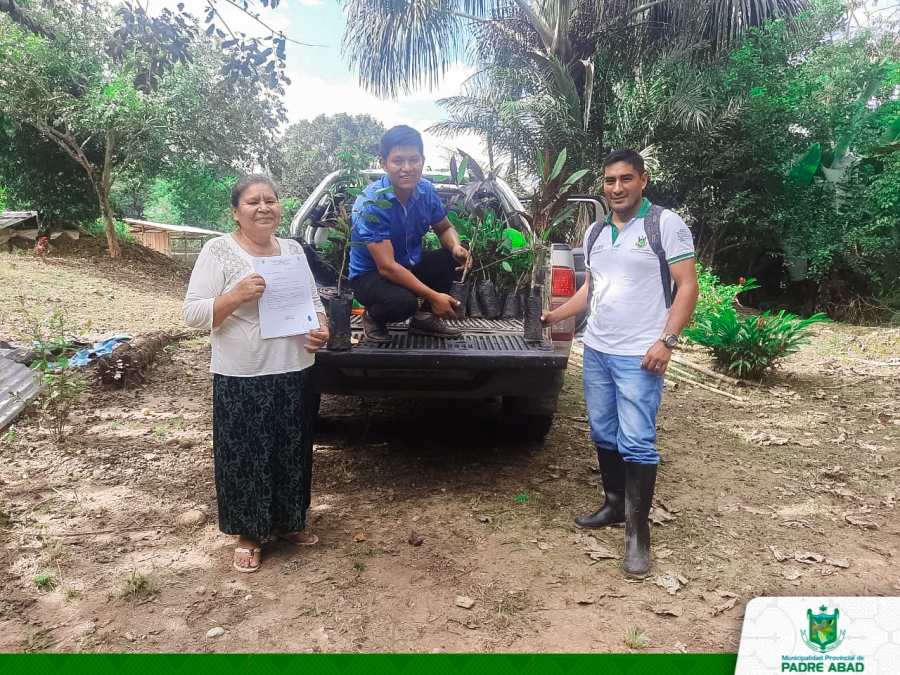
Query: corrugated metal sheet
[10, 218]
[147, 226]
[17, 385]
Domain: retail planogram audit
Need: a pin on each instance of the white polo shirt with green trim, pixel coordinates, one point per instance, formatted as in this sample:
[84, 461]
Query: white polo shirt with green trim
[628, 308]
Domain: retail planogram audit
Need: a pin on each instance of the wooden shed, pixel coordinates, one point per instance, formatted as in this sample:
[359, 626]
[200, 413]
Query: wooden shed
[177, 241]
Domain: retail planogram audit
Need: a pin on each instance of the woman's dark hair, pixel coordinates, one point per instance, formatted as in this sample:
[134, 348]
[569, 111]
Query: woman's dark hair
[628, 156]
[247, 181]
[401, 136]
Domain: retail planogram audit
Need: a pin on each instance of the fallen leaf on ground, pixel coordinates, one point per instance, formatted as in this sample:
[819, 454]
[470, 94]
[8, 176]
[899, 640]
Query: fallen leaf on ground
[585, 601]
[464, 601]
[602, 554]
[671, 581]
[485, 519]
[415, 539]
[359, 537]
[671, 610]
[725, 606]
[853, 520]
[659, 515]
[764, 439]
[680, 647]
[544, 546]
[725, 594]
[791, 574]
[664, 553]
[779, 556]
[808, 557]
[842, 436]
[837, 562]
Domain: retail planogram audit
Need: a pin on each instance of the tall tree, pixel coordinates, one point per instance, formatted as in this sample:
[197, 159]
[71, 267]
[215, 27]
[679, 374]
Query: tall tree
[310, 149]
[102, 90]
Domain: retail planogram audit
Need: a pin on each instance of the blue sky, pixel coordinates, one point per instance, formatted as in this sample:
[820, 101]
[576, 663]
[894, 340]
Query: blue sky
[321, 81]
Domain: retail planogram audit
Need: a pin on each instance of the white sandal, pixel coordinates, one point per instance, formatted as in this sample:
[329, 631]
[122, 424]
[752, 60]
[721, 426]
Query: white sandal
[251, 552]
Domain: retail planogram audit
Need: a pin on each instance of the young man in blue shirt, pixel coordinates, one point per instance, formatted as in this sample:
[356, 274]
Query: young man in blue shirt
[390, 273]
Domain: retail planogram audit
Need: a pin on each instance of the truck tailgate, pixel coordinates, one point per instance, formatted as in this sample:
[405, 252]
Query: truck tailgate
[484, 344]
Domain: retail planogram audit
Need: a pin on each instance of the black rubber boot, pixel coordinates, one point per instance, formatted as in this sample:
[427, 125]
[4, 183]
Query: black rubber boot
[640, 481]
[612, 469]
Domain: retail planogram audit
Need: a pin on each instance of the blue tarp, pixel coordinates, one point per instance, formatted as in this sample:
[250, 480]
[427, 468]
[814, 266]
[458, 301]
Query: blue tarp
[85, 356]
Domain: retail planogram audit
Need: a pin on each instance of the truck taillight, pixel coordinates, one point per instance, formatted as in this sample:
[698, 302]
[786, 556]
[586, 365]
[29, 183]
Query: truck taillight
[563, 282]
[563, 288]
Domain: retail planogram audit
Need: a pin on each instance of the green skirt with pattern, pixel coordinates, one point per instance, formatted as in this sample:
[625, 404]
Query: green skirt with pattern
[262, 444]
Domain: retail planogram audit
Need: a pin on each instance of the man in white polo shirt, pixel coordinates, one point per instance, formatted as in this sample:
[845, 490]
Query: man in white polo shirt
[628, 343]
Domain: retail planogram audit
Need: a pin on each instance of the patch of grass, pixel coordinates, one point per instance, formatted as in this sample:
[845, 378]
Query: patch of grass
[140, 587]
[521, 497]
[160, 432]
[54, 551]
[10, 436]
[6, 520]
[71, 594]
[113, 425]
[634, 637]
[38, 640]
[46, 582]
[359, 565]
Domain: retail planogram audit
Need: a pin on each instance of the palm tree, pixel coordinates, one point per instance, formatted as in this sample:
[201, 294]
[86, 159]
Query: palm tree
[401, 45]
[516, 108]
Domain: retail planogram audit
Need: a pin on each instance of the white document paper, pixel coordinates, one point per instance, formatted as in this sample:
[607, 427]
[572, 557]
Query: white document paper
[286, 306]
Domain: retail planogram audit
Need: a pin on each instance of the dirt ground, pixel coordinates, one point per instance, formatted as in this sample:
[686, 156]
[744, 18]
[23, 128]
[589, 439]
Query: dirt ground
[109, 542]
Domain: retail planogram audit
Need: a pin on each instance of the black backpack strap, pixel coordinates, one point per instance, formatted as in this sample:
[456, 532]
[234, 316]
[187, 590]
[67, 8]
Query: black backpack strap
[593, 232]
[654, 238]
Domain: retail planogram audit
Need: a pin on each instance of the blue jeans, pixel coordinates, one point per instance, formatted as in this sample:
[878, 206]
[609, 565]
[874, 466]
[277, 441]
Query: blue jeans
[622, 402]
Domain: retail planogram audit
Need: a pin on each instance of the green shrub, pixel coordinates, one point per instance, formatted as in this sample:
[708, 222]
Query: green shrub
[750, 346]
[715, 295]
[62, 385]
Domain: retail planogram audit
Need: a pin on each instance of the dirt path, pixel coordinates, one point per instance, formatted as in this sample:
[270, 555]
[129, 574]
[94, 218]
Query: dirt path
[110, 542]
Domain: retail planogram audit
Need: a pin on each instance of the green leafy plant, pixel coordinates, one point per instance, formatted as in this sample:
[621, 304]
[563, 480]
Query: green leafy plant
[359, 566]
[46, 582]
[335, 250]
[72, 593]
[714, 295]
[750, 346]
[549, 205]
[62, 385]
[521, 498]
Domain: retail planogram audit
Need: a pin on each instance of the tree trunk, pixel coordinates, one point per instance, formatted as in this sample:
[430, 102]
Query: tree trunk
[103, 193]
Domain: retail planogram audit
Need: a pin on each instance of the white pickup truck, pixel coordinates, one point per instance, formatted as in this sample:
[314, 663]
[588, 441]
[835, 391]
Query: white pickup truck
[490, 358]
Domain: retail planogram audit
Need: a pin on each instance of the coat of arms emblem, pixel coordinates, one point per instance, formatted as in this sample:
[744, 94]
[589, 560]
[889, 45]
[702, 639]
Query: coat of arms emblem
[823, 633]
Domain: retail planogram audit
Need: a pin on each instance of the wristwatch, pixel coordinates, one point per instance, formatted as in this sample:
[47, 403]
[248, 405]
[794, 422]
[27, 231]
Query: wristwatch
[670, 340]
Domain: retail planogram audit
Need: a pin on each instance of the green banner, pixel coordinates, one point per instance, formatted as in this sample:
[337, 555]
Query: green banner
[369, 664]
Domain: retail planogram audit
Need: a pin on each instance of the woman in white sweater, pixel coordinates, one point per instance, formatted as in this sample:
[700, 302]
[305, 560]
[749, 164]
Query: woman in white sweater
[263, 404]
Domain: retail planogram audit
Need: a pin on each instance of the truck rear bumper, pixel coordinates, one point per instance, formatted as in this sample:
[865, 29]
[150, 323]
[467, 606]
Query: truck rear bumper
[476, 365]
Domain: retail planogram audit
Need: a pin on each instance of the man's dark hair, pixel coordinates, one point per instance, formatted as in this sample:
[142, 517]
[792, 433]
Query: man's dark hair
[247, 181]
[625, 155]
[401, 136]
